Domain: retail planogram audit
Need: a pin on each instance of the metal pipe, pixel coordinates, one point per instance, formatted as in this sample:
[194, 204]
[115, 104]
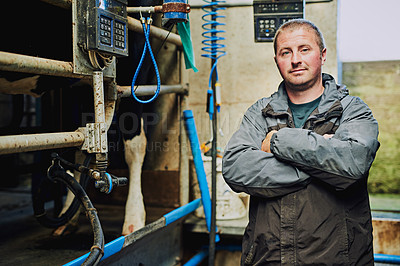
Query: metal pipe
[211, 249]
[44, 141]
[136, 26]
[144, 9]
[197, 259]
[98, 93]
[183, 153]
[118, 244]
[199, 167]
[99, 137]
[36, 65]
[147, 90]
[385, 258]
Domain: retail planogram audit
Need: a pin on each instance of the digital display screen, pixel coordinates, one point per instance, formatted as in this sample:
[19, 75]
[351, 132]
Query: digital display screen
[278, 7]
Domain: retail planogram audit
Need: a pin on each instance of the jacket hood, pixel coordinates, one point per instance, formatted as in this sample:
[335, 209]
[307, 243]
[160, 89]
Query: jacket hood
[332, 94]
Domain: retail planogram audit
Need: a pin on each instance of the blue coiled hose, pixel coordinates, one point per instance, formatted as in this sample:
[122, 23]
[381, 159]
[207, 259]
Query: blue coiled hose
[146, 47]
[213, 49]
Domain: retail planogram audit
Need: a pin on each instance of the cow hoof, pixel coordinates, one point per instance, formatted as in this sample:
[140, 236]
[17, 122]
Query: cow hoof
[65, 230]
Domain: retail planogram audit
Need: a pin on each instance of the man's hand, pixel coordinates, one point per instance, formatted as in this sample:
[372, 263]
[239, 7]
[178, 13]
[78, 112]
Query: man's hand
[266, 144]
[328, 136]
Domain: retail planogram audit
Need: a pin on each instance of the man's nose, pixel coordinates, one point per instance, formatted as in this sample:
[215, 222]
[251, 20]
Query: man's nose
[296, 58]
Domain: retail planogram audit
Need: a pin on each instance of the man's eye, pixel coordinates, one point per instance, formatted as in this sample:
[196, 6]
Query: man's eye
[304, 50]
[285, 53]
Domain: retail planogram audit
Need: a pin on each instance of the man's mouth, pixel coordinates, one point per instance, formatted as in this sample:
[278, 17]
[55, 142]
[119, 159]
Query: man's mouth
[298, 70]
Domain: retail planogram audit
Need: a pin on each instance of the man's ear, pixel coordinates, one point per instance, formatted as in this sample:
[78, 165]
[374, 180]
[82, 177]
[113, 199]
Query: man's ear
[323, 56]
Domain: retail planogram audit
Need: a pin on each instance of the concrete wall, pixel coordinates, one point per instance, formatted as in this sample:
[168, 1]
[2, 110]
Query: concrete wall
[248, 71]
[377, 83]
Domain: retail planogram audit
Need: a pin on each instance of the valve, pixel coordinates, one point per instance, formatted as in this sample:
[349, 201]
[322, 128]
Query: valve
[108, 181]
[103, 180]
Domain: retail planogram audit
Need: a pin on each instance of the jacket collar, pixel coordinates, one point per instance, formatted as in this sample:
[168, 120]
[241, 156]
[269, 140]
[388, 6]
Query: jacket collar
[331, 96]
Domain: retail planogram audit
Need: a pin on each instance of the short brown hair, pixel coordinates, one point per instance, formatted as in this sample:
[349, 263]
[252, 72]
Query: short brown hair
[300, 23]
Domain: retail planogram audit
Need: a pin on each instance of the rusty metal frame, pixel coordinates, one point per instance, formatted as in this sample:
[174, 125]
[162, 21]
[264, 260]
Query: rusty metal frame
[35, 65]
[35, 142]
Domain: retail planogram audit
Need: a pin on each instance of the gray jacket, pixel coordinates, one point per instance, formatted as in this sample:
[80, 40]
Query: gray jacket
[309, 202]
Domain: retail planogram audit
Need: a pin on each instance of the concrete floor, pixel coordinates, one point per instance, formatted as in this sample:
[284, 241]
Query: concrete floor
[23, 241]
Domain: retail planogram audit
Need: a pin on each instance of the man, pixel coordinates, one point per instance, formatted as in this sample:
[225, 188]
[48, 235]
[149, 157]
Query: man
[303, 155]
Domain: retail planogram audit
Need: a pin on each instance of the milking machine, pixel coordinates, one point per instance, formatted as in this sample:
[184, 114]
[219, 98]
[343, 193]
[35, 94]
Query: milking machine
[100, 34]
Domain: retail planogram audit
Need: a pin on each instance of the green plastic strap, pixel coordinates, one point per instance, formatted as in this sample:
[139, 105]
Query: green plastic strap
[184, 32]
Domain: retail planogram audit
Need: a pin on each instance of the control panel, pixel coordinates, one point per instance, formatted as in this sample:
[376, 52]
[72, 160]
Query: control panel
[102, 26]
[269, 15]
[107, 26]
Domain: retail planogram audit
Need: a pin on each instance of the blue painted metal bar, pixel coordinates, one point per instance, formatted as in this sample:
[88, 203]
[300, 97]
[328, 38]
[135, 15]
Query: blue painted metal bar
[109, 249]
[116, 245]
[199, 166]
[181, 211]
[384, 258]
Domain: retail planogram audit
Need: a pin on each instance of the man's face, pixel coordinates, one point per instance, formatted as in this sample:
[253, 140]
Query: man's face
[299, 59]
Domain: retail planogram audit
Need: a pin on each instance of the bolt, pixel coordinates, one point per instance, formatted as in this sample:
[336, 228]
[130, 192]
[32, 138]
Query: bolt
[96, 175]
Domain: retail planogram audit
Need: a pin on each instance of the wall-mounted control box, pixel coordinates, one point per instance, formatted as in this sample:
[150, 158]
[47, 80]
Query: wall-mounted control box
[269, 15]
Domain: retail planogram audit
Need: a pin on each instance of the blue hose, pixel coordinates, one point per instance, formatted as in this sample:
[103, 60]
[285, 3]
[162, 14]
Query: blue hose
[213, 49]
[146, 47]
[199, 166]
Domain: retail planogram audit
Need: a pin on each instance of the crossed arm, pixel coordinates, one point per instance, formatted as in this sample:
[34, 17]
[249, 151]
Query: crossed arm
[284, 161]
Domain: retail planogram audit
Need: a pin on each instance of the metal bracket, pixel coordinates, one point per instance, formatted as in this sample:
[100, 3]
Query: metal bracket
[95, 138]
[176, 7]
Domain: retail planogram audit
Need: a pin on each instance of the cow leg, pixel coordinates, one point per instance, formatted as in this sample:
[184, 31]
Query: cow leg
[135, 214]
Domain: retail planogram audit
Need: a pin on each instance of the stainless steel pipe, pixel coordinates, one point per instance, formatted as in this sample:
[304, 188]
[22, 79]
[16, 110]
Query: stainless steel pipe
[147, 90]
[44, 141]
[144, 9]
[36, 65]
[98, 93]
[136, 26]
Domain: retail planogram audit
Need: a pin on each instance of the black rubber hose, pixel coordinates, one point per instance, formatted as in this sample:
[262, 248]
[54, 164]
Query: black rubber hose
[38, 200]
[96, 251]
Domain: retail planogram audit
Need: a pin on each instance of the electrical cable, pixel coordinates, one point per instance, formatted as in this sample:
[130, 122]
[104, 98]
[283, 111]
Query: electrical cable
[107, 60]
[165, 39]
[147, 46]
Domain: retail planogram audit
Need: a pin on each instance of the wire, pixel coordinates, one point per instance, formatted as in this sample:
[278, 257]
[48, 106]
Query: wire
[213, 49]
[93, 57]
[165, 39]
[146, 47]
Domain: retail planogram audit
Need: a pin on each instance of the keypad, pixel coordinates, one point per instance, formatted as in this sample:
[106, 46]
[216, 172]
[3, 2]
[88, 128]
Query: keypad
[267, 27]
[105, 30]
[119, 35]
